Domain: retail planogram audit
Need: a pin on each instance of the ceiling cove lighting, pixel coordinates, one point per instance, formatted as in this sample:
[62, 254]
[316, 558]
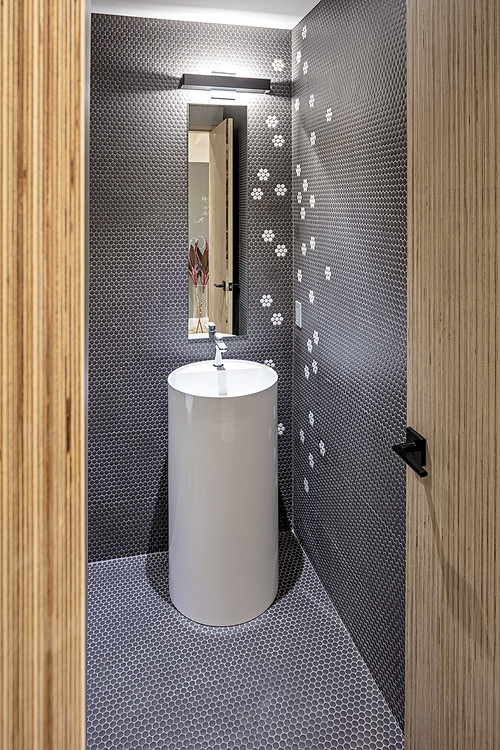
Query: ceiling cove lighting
[225, 83]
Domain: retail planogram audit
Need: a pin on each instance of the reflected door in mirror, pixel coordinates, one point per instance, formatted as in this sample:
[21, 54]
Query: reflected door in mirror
[221, 225]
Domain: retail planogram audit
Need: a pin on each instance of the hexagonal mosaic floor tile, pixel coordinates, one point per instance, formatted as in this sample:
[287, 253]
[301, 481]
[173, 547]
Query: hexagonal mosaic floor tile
[291, 679]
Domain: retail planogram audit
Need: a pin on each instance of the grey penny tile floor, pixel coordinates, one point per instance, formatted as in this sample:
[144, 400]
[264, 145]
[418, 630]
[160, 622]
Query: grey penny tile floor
[291, 679]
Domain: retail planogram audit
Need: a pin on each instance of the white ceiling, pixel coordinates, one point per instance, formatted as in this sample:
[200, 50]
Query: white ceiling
[278, 14]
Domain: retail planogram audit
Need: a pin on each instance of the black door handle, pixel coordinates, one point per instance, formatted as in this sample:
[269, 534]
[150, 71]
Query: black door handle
[413, 452]
[221, 286]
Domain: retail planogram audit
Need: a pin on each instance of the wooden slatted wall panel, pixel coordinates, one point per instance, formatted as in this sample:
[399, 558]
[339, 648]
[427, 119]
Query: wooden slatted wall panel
[41, 359]
[453, 516]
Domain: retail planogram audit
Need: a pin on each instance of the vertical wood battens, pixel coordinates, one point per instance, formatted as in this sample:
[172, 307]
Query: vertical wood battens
[453, 516]
[42, 424]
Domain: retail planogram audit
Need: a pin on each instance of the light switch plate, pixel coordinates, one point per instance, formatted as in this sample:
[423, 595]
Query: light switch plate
[298, 314]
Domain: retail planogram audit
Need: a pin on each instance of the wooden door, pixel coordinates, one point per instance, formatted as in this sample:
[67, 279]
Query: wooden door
[221, 226]
[42, 426]
[453, 515]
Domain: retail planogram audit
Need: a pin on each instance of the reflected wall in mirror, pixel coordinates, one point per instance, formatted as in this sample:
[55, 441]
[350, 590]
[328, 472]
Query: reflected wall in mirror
[218, 256]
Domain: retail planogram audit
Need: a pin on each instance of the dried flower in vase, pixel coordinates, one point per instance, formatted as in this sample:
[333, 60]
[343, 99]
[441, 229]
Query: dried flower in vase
[198, 267]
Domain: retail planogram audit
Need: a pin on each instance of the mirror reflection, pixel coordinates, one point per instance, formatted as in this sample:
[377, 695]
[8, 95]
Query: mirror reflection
[217, 260]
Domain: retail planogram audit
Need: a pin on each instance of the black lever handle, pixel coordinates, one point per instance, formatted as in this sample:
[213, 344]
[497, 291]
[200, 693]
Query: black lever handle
[413, 452]
[221, 286]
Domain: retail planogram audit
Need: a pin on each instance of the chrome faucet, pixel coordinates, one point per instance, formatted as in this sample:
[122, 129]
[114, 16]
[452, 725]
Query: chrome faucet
[220, 346]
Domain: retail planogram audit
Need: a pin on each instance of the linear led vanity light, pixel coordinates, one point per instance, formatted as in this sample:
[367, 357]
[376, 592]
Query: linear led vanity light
[225, 83]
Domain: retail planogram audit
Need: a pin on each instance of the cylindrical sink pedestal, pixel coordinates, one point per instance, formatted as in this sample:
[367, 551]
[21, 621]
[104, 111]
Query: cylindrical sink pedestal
[223, 491]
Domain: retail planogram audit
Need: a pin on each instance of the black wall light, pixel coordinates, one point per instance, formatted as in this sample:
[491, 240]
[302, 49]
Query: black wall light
[215, 82]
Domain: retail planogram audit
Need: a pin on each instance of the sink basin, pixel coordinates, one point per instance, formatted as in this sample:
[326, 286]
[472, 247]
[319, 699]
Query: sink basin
[223, 491]
[239, 378]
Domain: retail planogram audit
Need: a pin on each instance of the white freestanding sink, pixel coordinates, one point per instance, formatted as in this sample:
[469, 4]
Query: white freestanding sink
[223, 491]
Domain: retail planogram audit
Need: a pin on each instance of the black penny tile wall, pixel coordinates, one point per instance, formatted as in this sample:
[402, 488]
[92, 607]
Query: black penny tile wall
[349, 207]
[138, 255]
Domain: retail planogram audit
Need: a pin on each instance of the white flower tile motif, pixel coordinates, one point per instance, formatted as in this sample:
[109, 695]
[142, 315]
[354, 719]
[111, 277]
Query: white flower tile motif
[299, 56]
[302, 436]
[277, 319]
[306, 372]
[311, 419]
[263, 175]
[278, 141]
[266, 300]
[305, 68]
[309, 346]
[297, 104]
[312, 243]
[281, 429]
[271, 121]
[257, 194]
[317, 135]
[280, 189]
[268, 235]
[298, 170]
[311, 296]
[303, 213]
[281, 251]
[270, 363]
[305, 185]
[306, 485]
[299, 197]
[299, 275]
[278, 64]
[303, 248]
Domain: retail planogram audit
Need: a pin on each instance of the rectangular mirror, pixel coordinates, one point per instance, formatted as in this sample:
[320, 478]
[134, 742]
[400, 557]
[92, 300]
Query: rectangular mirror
[218, 253]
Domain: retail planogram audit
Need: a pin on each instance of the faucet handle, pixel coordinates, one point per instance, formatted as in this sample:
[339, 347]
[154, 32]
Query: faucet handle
[211, 328]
